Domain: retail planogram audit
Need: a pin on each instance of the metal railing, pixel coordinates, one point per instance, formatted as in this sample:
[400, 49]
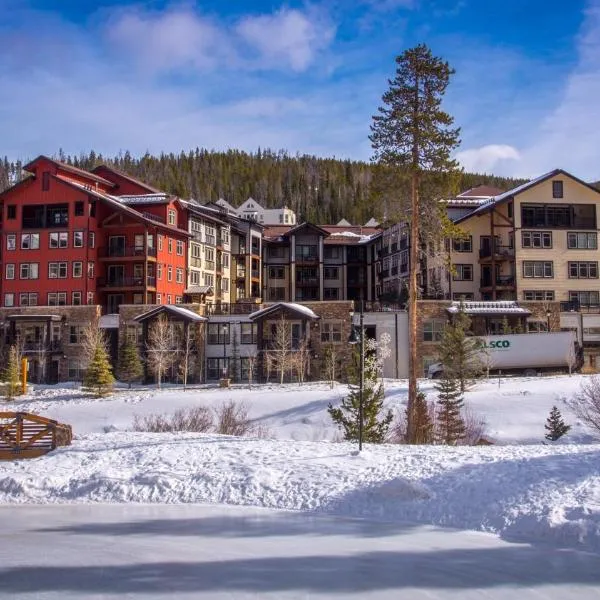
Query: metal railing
[234, 308]
[503, 252]
[502, 280]
[125, 251]
[126, 282]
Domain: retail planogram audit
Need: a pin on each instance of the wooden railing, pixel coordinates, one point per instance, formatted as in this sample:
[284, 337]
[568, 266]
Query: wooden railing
[23, 435]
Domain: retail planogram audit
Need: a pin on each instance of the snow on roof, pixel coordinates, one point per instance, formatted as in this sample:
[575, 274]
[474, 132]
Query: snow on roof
[344, 223]
[143, 198]
[173, 309]
[291, 306]
[501, 307]
[109, 321]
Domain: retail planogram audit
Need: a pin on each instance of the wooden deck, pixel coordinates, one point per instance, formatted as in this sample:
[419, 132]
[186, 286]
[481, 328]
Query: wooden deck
[24, 435]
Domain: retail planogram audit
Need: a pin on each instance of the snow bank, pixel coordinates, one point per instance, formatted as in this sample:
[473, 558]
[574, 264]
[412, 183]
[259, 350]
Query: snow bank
[525, 493]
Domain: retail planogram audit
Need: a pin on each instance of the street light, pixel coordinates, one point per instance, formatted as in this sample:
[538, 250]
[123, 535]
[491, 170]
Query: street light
[358, 337]
[548, 315]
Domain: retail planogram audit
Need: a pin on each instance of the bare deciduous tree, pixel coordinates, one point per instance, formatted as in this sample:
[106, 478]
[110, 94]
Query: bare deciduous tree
[282, 348]
[251, 369]
[160, 347]
[330, 358]
[93, 337]
[301, 360]
[586, 404]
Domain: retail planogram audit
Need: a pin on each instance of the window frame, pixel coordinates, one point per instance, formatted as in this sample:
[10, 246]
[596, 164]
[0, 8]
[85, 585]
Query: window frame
[536, 263]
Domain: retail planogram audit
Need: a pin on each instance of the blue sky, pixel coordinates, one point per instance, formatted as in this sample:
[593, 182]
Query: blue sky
[304, 76]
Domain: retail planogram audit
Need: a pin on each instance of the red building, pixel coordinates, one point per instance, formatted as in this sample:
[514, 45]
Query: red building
[70, 237]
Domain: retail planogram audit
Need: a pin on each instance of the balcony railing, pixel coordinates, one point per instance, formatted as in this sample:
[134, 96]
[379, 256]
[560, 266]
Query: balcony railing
[239, 308]
[127, 282]
[37, 345]
[502, 252]
[575, 306]
[381, 306]
[255, 273]
[125, 251]
[501, 281]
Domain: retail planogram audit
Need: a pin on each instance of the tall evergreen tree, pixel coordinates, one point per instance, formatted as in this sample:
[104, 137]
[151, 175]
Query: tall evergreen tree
[376, 421]
[461, 354]
[414, 136]
[98, 377]
[449, 421]
[11, 374]
[555, 425]
[130, 367]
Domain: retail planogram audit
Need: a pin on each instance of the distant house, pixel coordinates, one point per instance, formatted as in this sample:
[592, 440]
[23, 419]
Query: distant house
[251, 210]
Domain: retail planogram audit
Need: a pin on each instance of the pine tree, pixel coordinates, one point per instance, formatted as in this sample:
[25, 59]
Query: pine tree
[460, 353]
[376, 422]
[11, 374]
[424, 433]
[555, 426]
[98, 377]
[414, 137]
[450, 424]
[130, 367]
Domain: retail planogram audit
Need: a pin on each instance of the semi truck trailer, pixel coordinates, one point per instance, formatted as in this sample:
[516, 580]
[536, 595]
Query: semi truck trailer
[525, 353]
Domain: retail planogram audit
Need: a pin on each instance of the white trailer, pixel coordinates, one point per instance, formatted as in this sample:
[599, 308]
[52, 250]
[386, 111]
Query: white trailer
[525, 353]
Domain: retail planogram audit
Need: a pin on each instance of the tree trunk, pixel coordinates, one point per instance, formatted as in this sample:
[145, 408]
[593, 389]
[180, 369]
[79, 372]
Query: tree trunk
[413, 369]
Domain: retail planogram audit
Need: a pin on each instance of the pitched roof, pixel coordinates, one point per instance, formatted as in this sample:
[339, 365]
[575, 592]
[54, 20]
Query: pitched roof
[126, 176]
[70, 169]
[172, 310]
[156, 198]
[502, 307]
[481, 191]
[505, 196]
[293, 307]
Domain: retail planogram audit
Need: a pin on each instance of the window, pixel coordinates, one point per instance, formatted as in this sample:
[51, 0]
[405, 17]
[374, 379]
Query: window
[90, 298]
[248, 333]
[138, 298]
[331, 293]
[276, 294]
[76, 298]
[331, 332]
[77, 269]
[10, 271]
[170, 245]
[217, 367]
[45, 181]
[58, 270]
[209, 254]
[76, 333]
[159, 271]
[226, 261]
[138, 271]
[29, 271]
[537, 326]
[538, 268]
[509, 209]
[179, 276]
[218, 333]
[76, 370]
[160, 242]
[276, 251]
[583, 270]
[536, 239]
[11, 211]
[179, 248]
[9, 299]
[90, 270]
[331, 252]
[539, 295]
[463, 273]
[225, 284]
[28, 299]
[57, 215]
[57, 298]
[172, 217]
[305, 252]
[78, 239]
[59, 239]
[579, 216]
[79, 208]
[158, 298]
[557, 189]
[91, 239]
[433, 330]
[209, 279]
[582, 241]
[11, 241]
[331, 273]
[276, 273]
[591, 298]
[30, 241]
[463, 245]
[169, 273]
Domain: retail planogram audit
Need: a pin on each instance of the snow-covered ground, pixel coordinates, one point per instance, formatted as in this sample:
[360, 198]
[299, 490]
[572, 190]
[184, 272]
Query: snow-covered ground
[161, 552]
[515, 409]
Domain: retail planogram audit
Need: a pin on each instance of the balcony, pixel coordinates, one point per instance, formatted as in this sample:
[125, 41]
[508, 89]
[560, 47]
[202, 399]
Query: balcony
[502, 282]
[127, 282]
[307, 281]
[106, 253]
[501, 253]
[255, 274]
[39, 346]
[238, 308]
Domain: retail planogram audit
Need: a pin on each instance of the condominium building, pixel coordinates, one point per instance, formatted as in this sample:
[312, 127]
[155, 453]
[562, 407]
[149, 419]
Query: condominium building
[251, 210]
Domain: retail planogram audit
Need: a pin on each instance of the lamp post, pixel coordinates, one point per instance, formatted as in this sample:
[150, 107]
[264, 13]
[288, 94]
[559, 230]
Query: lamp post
[359, 338]
[548, 315]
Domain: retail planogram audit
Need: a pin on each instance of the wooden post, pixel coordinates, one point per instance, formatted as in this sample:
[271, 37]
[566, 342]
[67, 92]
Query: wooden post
[23, 375]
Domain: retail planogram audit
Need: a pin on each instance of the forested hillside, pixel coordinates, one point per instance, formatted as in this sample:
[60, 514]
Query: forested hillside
[322, 190]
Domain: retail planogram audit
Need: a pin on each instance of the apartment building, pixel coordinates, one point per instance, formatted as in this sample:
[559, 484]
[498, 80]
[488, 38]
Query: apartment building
[68, 238]
[251, 210]
[310, 263]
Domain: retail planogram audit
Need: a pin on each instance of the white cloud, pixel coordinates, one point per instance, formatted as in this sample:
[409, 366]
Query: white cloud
[487, 159]
[287, 36]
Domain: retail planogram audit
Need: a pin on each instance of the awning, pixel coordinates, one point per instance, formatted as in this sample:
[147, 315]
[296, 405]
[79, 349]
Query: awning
[501, 307]
[203, 290]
